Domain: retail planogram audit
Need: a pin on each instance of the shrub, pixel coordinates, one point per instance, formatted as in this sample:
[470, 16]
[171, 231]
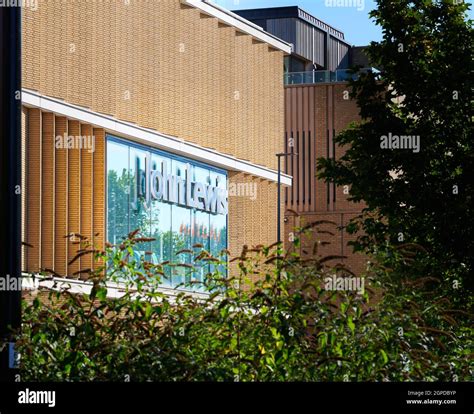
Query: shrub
[271, 320]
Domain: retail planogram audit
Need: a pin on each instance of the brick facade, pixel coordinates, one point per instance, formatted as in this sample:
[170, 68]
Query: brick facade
[65, 193]
[314, 114]
[160, 65]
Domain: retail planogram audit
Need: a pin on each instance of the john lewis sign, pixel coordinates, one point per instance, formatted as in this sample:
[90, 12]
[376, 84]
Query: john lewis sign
[158, 184]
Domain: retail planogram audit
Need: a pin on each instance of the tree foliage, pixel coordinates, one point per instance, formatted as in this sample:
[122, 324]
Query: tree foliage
[283, 326]
[424, 89]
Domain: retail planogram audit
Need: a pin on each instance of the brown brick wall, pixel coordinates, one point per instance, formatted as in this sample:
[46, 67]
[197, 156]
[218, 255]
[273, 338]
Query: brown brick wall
[314, 114]
[335, 244]
[345, 111]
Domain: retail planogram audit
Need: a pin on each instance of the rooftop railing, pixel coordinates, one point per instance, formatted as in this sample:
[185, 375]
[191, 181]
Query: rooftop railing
[322, 76]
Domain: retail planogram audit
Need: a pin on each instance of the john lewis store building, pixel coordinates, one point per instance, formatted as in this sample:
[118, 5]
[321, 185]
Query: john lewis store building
[147, 115]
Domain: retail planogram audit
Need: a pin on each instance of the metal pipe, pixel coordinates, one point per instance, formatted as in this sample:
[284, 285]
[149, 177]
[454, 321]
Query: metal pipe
[285, 154]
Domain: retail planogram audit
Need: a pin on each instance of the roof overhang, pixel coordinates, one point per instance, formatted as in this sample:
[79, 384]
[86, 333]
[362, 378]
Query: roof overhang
[241, 24]
[150, 137]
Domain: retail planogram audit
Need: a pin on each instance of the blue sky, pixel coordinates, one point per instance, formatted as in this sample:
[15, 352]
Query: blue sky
[358, 29]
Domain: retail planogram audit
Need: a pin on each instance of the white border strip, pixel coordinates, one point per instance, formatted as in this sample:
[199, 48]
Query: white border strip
[232, 19]
[34, 282]
[150, 137]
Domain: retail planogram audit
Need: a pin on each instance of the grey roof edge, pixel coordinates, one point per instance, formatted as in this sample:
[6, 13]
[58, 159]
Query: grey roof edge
[295, 12]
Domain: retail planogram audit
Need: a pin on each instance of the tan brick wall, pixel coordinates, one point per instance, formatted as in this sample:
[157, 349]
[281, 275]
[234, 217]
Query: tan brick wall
[252, 220]
[86, 194]
[158, 64]
[65, 193]
[73, 198]
[32, 193]
[24, 132]
[162, 65]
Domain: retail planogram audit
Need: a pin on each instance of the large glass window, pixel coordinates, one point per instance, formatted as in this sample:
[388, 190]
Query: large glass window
[218, 223]
[160, 222]
[117, 191]
[179, 203]
[139, 211]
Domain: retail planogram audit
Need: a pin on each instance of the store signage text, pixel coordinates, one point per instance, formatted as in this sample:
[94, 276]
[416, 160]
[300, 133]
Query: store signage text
[159, 185]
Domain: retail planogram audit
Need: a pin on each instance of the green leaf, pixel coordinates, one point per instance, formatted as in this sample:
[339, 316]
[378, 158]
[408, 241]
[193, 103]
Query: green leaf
[148, 310]
[350, 324]
[101, 294]
[344, 307]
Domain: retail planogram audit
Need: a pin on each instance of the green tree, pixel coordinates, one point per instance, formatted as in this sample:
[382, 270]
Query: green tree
[423, 89]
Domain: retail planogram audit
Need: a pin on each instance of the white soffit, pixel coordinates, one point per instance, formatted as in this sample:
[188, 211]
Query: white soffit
[243, 25]
[149, 137]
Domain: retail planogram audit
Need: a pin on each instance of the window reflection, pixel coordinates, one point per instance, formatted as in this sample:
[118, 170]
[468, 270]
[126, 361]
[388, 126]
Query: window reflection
[117, 191]
[139, 211]
[174, 225]
[160, 224]
[218, 223]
